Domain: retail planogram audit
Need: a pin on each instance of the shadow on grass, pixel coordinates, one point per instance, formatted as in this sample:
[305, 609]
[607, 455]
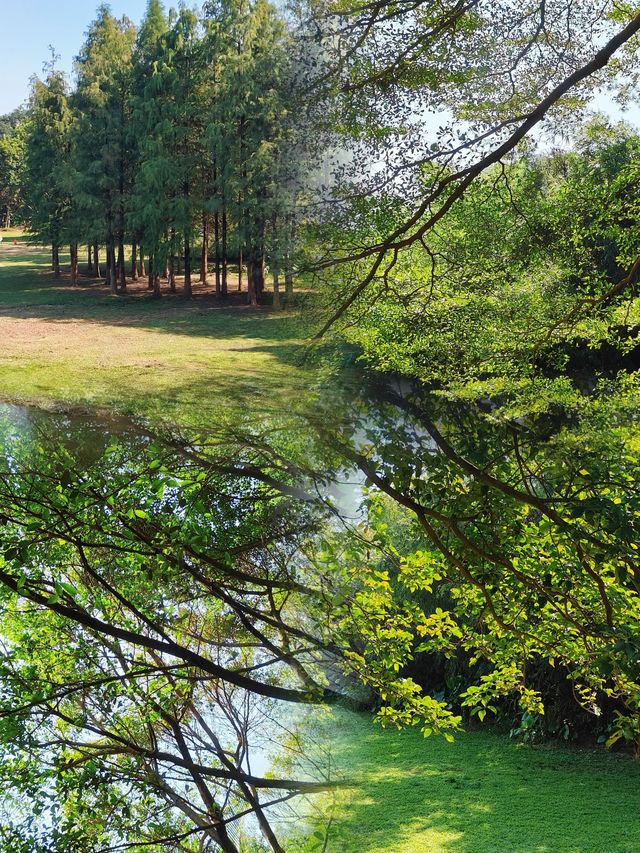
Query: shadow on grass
[28, 290]
[164, 359]
[482, 794]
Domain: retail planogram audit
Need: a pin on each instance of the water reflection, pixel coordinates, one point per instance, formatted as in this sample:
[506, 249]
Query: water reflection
[157, 614]
[167, 596]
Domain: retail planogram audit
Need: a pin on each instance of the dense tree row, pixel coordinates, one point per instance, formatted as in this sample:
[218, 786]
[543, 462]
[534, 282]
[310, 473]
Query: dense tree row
[176, 141]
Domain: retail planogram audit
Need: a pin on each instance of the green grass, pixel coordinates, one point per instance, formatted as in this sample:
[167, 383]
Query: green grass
[481, 794]
[172, 359]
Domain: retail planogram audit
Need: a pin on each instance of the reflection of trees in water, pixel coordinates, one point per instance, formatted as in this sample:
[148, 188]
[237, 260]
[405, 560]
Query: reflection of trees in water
[154, 625]
[163, 600]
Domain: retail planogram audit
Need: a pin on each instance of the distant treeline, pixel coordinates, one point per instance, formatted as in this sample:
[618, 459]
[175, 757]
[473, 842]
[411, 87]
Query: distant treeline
[180, 139]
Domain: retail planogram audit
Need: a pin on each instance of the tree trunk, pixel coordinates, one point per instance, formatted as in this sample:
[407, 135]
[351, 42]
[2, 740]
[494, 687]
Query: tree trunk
[205, 251]
[89, 260]
[142, 270]
[223, 841]
[121, 270]
[216, 237]
[187, 267]
[251, 283]
[73, 255]
[255, 269]
[166, 268]
[288, 283]
[239, 269]
[275, 261]
[276, 284]
[96, 261]
[157, 293]
[219, 835]
[261, 227]
[172, 273]
[134, 262]
[150, 273]
[260, 276]
[288, 271]
[224, 251]
[55, 261]
[112, 269]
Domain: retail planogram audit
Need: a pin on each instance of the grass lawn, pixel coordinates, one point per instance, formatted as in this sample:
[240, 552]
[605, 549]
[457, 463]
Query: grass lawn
[170, 358]
[481, 794]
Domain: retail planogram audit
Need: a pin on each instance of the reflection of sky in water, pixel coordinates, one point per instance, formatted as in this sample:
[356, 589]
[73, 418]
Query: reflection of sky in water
[86, 434]
[14, 422]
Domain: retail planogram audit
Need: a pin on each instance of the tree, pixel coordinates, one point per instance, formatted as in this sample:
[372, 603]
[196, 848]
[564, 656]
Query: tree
[47, 202]
[150, 604]
[389, 66]
[12, 150]
[153, 168]
[249, 130]
[168, 116]
[506, 449]
[185, 57]
[101, 100]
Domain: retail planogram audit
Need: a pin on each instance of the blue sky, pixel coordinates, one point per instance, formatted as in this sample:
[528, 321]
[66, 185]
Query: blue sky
[28, 27]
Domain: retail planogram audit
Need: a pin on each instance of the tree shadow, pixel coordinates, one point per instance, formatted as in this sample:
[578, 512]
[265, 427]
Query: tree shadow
[28, 288]
[204, 358]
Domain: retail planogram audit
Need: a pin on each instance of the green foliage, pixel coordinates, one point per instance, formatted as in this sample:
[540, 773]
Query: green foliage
[12, 152]
[185, 120]
[523, 305]
[150, 594]
[522, 548]
[46, 190]
[526, 278]
[100, 100]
